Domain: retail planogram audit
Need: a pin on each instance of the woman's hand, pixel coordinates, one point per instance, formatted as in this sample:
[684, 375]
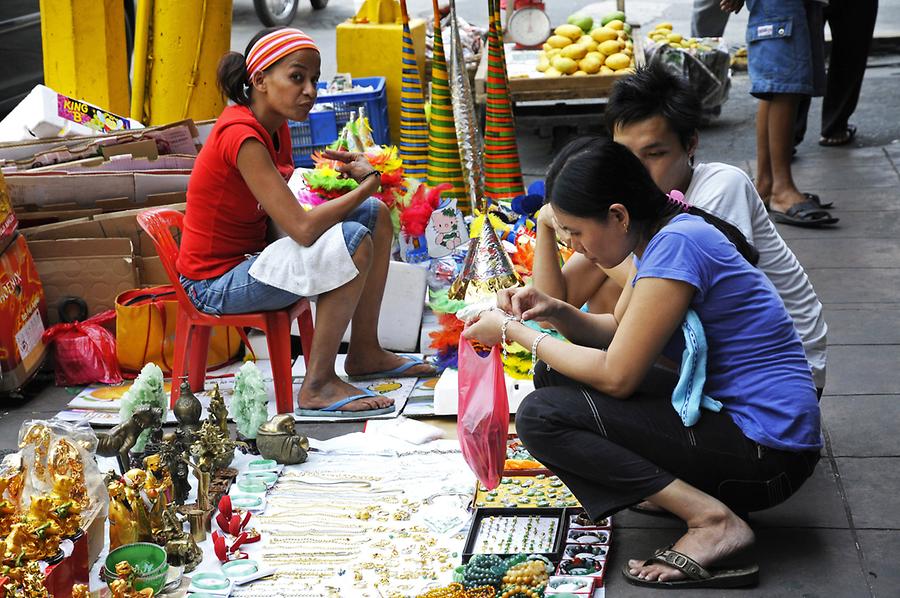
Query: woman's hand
[546, 221]
[486, 328]
[529, 304]
[353, 165]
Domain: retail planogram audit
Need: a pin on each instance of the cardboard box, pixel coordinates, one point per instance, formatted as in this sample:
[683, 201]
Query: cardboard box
[42, 189]
[8, 221]
[22, 316]
[95, 270]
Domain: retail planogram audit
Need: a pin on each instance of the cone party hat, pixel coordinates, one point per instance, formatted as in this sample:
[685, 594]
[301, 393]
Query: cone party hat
[502, 170]
[487, 269]
[413, 124]
[444, 165]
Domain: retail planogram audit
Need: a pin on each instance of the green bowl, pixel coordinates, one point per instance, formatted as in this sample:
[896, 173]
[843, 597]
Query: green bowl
[147, 560]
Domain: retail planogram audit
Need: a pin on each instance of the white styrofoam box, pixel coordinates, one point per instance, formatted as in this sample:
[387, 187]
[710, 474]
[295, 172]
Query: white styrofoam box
[401, 308]
[446, 392]
[429, 324]
[258, 343]
[46, 113]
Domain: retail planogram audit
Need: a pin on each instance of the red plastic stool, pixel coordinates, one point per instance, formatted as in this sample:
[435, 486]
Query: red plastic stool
[193, 327]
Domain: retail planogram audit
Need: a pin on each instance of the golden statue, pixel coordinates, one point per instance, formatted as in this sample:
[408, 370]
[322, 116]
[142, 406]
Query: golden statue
[218, 413]
[79, 590]
[42, 522]
[66, 463]
[66, 510]
[21, 545]
[12, 481]
[123, 525]
[158, 486]
[38, 436]
[26, 582]
[135, 479]
[124, 586]
[8, 514]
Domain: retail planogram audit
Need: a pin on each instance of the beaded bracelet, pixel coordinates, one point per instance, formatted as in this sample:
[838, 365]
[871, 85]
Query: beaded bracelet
[506, 320]
[534, 348]
[373, 172]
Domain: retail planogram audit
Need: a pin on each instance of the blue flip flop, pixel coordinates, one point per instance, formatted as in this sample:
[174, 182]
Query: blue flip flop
[334, 410]
[397, 372]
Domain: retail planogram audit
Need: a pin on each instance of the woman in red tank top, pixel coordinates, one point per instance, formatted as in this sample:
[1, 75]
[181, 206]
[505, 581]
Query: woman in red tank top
[239, 183]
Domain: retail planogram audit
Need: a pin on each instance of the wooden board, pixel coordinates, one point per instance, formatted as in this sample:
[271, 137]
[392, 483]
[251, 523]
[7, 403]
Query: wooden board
[539, 88]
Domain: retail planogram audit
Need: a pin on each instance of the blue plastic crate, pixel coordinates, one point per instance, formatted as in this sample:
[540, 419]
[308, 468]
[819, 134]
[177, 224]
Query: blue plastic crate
[323, 126]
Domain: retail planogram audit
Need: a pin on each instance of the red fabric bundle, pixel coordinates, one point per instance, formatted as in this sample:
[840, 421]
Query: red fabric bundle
[85, 352]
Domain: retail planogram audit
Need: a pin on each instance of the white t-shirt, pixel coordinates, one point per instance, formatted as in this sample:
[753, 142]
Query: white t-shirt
[728, 193]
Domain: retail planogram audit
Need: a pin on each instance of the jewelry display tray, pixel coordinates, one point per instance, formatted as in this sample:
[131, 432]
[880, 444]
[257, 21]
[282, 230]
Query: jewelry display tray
[562, 527]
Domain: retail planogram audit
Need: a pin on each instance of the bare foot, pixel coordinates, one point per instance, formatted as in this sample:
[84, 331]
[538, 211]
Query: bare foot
[782, 201]
[364, 363]
[318, 396]
[712, 539]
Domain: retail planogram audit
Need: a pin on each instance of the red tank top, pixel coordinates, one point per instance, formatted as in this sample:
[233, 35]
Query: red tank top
[224, 221]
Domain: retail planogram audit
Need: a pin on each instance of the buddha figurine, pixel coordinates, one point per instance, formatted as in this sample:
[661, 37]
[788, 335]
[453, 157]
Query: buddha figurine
[134, 490]
[123, 526]
[218, 413]
[67, 470]
[158, 487]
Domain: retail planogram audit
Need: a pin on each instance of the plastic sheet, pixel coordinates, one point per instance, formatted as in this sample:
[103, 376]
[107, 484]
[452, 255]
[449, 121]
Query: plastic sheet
[483, 423]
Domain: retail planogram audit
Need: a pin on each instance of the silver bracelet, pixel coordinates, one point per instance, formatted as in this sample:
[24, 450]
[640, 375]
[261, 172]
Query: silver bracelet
[506, 320]
[534, 348]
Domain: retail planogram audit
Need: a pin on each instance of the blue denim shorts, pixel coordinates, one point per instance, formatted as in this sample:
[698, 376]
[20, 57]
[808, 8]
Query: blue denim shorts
[785, 52]
[236, 292]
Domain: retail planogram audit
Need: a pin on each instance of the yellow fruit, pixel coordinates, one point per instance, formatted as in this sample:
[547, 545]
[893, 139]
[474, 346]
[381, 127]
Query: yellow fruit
[575, 51]
[552, 72]
[572, 32]
[543, 63]
[553, 53]
[665, 26]
[559, 41]
[564, 65]
[629, 44]
[674, 37]
[588, 41]
[616, 24]
[627, 69]
[617, 61]
[628, 52]
[608, 47]
[596, 55]
[579, 74]
[546, 47]
[590, 64]
[621, 44]
[605, 70]
[602, 34]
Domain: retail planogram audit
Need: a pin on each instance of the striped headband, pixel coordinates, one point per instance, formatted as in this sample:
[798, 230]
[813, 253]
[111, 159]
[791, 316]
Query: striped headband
[274, 46]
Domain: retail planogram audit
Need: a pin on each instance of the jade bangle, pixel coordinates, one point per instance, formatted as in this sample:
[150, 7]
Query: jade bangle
[262, 465]
[251, 486]
[261, 476]
[210, 581]
[241, 568]
[246, 502]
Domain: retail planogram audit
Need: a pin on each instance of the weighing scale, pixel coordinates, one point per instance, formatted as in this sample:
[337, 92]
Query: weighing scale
[527, 24]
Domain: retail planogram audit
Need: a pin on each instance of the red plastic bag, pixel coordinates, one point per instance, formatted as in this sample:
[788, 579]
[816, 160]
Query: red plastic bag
[85, 352]
[483, 422]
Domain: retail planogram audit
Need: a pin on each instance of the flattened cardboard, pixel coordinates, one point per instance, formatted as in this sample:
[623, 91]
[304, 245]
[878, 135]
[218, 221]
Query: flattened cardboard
[96, 270]
[84, 189]
[8, 221]
[145, 148]
[79, 228]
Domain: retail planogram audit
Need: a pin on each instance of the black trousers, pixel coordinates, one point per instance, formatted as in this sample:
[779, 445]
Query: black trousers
[852, 25]
[613, 453]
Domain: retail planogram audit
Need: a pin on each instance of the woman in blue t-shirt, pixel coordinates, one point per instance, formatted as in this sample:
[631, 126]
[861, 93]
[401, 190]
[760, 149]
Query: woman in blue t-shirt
[608, 428]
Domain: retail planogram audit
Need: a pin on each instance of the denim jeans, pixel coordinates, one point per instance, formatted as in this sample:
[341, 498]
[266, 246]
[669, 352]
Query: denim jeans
[236, 292]
[613, 453]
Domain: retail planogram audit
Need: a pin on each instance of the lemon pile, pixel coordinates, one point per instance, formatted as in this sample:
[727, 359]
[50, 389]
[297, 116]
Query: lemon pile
[574, 51]
[663, 34]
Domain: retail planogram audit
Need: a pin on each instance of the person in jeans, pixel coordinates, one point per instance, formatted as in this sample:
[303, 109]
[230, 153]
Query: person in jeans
[615, 440]
[239, 183]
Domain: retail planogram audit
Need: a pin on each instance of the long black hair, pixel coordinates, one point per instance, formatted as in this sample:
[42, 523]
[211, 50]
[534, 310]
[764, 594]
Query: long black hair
[231, 75]
[592, 173]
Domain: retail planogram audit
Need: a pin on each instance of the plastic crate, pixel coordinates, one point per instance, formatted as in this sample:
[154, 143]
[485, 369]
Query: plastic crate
[322, 127]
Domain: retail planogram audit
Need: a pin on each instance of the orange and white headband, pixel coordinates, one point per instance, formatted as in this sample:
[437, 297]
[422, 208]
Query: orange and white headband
[274, 46]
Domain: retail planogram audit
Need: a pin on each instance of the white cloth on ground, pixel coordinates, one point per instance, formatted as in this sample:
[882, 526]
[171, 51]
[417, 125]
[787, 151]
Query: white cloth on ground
[306, 271]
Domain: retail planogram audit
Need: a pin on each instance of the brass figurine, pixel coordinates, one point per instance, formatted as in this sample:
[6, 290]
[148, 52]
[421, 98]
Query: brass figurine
[188, 410]
[218, 413]
[120, 440]
[181, 548]
[278, 439]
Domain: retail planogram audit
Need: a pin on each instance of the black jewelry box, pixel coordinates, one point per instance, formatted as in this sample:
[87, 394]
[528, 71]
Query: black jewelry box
[561, 515]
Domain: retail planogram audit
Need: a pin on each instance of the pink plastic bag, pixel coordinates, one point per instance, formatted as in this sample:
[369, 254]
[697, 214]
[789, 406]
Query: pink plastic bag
[84, 352]
[483, 421]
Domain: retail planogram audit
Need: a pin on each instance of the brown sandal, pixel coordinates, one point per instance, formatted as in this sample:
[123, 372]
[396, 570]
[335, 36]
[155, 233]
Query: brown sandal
[697, 575]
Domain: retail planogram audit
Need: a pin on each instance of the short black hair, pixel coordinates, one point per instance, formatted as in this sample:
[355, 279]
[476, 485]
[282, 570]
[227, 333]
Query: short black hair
[652, 91]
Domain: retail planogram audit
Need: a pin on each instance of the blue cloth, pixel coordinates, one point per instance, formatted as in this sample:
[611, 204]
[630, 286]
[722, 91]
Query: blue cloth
[755, 361]
[779, 49]
[688, 397]
[236, 292]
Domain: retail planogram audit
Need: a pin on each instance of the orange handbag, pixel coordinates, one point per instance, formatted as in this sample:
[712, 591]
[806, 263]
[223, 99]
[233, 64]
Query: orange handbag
[145, 331]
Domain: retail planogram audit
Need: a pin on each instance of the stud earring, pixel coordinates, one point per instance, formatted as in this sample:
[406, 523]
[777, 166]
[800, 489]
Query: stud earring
[625, 226]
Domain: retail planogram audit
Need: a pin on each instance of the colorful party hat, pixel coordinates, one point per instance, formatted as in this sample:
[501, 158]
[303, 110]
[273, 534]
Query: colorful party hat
[413, 123]
[444, 165]
[502, 171]
[487, 269]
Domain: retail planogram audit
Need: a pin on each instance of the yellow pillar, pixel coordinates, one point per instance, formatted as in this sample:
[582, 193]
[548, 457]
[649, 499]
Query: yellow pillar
[375, 50]
[186, 40]
[84, 51]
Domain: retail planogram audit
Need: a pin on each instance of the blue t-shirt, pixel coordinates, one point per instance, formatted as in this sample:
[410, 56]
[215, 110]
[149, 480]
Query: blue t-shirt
[755, 363]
